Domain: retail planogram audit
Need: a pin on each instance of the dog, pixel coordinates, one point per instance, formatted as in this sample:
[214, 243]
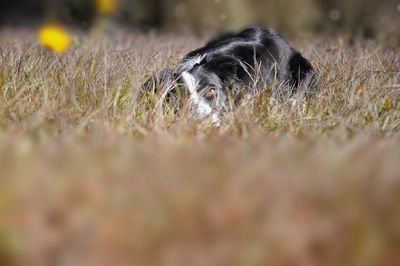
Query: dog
[235, 65]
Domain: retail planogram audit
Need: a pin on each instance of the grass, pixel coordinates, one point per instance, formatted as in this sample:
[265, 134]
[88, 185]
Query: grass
[95, 173]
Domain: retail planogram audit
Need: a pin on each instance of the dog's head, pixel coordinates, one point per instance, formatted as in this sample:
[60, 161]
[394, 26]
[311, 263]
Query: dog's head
[210, 82]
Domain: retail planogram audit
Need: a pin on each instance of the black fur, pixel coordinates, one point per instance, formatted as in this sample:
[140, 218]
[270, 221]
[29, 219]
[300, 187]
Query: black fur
[229, 63]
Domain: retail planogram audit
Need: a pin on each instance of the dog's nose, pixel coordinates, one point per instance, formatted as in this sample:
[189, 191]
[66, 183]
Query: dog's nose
[203, 110]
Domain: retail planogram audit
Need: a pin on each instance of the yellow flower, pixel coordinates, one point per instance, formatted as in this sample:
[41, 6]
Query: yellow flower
[54, 37]
[105, 7]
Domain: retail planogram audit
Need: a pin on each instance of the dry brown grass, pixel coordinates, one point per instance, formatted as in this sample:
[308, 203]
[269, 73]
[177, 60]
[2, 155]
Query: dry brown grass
[93, 173]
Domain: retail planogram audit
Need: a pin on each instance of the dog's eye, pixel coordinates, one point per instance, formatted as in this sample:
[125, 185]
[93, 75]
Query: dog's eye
[211, 92]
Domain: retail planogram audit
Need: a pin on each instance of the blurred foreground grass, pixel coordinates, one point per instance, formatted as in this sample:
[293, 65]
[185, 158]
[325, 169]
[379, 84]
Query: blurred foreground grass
[94, 173]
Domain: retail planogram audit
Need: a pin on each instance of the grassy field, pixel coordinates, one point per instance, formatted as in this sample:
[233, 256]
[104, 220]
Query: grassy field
[95, 173]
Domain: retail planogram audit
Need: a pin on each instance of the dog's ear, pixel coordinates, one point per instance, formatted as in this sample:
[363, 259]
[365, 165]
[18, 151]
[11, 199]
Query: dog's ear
[189, 62]
[300, 68]
[159, 80]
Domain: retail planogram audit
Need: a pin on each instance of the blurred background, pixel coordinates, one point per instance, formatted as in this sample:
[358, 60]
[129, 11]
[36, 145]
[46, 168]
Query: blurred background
[361, 18]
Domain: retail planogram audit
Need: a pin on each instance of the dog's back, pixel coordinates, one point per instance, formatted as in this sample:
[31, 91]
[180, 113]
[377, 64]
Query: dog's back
[237, 57]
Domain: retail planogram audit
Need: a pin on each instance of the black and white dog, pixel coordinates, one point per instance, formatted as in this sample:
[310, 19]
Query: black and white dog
[236, 65]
